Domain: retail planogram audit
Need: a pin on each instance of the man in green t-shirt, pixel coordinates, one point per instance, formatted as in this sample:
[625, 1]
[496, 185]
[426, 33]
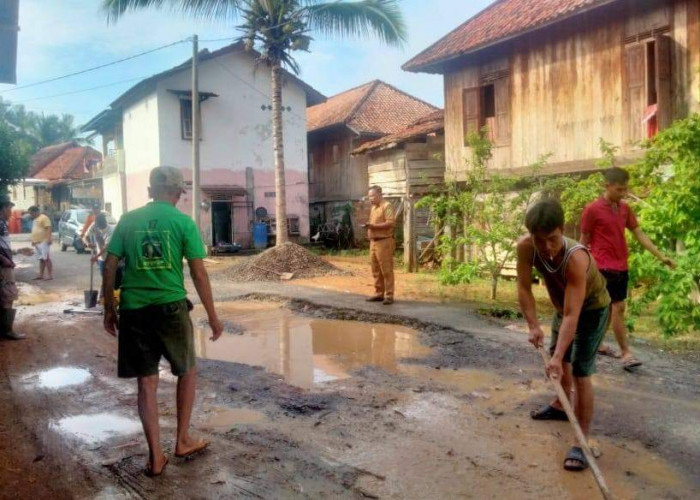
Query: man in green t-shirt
[154, 319]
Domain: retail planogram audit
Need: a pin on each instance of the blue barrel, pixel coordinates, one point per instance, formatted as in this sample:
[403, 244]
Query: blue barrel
[260, 235]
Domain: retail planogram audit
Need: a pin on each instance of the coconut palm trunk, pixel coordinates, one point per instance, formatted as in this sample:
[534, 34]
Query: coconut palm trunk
[278, 145]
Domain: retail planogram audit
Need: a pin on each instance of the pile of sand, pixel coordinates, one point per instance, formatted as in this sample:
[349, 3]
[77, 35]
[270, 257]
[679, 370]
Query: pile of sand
[288, 258]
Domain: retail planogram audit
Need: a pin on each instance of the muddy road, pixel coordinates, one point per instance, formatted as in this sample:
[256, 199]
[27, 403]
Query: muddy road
[313, 393]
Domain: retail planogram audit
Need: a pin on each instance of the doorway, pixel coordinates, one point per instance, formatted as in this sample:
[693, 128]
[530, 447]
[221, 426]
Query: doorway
[222, 222]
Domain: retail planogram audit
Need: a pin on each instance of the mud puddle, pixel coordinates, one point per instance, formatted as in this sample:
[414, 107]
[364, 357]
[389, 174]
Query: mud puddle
[96, 428]
[58, 378]
[227, 418]
[307, 351]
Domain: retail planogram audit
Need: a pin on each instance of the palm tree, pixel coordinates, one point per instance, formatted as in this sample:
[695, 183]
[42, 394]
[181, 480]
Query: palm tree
[278, 28]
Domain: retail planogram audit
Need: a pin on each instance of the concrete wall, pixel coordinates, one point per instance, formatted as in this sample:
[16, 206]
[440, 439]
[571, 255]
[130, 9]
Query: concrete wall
[23, 195]
[141, 148]
[112, 194]
[237, 133]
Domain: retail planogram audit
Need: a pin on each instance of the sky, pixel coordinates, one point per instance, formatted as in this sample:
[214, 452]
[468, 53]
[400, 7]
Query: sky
[61, 37]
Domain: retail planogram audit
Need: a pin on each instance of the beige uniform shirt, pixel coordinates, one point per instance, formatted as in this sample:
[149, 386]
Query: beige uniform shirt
[41, 229]
[380, 214]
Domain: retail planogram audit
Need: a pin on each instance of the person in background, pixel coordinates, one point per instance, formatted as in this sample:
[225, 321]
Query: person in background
[97, 237]
[91, 218]
[603, 225]
[380, 231]
[41, 241]
[8, 287]
[154, 320]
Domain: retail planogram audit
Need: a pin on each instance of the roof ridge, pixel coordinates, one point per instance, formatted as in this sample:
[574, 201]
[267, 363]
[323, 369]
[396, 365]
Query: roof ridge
[435, 108]
[372, 87]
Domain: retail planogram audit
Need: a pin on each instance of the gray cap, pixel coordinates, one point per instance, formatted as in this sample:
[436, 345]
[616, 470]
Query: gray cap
[168, 177]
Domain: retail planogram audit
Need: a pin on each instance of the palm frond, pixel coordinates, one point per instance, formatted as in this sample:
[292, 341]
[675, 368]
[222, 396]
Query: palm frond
[361, 19]
[222, 10]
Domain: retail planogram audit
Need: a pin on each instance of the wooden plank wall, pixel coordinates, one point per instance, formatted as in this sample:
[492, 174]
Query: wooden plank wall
[567, 85]
[344, 179]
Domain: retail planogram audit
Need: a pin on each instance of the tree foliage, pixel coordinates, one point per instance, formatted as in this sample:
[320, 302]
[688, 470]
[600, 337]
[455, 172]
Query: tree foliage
[14, 156]
[38, 130]
[490, 210]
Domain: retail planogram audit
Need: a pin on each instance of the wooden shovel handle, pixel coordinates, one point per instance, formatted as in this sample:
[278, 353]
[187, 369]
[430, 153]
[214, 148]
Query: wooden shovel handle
[566, 404]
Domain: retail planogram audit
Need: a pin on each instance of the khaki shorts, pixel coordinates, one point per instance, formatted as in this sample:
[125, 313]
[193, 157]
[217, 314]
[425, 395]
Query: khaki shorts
[149, 333]
[589, 335]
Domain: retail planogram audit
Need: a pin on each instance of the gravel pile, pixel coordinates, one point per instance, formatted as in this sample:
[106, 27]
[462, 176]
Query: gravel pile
[288, 258]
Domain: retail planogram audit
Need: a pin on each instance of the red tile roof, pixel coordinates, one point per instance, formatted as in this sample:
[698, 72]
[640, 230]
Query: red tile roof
[428, 124]
[501, 20]
[45, 155]
[72, 163]
[374, 108]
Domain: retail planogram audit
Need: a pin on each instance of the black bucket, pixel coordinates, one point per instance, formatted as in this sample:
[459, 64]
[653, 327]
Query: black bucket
[90, 299]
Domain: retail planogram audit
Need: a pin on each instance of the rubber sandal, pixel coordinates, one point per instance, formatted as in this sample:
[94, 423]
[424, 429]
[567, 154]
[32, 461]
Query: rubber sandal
[149, 470]
[576, 455]
[549, 413]
[194, 450]
[606, 350]
[631, 363]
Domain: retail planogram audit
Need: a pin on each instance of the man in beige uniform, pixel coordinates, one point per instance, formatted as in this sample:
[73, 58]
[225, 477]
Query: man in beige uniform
[380, 231]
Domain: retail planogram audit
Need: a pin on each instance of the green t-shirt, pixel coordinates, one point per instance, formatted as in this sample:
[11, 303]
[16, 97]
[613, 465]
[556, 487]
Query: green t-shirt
[153, 240]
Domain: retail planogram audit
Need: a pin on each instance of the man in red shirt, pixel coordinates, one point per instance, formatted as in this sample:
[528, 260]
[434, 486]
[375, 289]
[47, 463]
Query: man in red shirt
[603, 226]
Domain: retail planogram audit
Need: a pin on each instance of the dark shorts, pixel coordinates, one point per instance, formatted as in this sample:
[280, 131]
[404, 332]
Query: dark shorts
[589, 334]
[149, 333]
[617, 282]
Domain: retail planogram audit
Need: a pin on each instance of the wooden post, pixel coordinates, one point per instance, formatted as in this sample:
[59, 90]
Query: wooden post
[409, 235]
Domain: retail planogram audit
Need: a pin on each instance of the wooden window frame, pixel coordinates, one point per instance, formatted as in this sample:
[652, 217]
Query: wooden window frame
[474, 107]
[185, 118]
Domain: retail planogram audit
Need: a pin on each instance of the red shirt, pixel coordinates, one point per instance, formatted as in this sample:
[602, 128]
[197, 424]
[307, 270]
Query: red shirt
[606, 224]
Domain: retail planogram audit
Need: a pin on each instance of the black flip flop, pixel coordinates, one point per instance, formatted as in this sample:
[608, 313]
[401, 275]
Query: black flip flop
[576, 454]
[549, 413]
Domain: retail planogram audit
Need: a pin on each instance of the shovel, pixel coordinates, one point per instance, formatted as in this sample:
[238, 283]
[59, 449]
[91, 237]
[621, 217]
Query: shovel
[282, 276]
[91, 295]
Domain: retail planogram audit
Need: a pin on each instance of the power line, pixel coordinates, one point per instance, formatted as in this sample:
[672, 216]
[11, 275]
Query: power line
[81, 90]
[96, 67]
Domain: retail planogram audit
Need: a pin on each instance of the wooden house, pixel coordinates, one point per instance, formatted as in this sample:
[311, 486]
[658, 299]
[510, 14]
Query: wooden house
[555, 76]
[407, 165]
[338, 181]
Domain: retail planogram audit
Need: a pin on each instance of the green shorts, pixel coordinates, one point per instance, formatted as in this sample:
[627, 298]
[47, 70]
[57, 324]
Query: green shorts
[149, 333]
[589, 335]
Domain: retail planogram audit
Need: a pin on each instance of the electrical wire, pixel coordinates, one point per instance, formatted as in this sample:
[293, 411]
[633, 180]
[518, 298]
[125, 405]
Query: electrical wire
[42, 82]
[81, 90]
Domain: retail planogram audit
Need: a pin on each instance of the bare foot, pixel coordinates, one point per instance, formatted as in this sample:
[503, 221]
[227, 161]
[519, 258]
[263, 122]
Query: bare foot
[38, 278]
[188, 446]
[155, 467]
[49, 278]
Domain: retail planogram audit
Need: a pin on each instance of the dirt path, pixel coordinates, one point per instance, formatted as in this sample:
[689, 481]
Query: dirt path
[299, 406]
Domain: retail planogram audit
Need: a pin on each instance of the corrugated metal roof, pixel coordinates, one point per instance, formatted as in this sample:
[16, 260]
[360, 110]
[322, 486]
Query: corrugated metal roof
[374, 108]
[501, 20]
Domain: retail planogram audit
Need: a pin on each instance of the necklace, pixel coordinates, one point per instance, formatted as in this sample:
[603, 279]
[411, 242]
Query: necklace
[547, 266]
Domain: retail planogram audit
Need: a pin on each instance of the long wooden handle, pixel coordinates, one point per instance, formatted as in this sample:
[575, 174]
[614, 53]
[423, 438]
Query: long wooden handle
[566, 404]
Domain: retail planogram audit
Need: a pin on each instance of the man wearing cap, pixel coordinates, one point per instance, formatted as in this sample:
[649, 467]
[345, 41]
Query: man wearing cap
[380, 231]
[41, 241]
[8, 287]
[154, 319]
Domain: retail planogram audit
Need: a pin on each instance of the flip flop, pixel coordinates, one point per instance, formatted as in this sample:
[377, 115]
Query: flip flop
[549, 413]
[149, 469]
[575, 455]
[606, 350]
[631, 363]
[194, 450]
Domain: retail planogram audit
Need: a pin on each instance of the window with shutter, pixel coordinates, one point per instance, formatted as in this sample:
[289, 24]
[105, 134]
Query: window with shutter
[502, 97]
[662, 56]
[470, 110]
[635, 101]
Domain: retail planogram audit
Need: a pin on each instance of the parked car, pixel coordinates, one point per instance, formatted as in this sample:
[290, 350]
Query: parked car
[71, 225]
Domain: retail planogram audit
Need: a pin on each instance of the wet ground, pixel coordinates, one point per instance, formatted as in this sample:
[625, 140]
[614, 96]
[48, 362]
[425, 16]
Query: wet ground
[310, 397]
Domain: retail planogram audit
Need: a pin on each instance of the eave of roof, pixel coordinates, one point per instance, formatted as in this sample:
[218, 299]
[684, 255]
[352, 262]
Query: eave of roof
[437, 65]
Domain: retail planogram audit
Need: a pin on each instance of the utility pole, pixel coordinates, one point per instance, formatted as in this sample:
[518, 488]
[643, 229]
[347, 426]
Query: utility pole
[196, 122]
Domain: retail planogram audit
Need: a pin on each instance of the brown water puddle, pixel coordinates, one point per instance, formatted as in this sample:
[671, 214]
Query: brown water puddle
[307, 351]
[58, 378]
[96, 428]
